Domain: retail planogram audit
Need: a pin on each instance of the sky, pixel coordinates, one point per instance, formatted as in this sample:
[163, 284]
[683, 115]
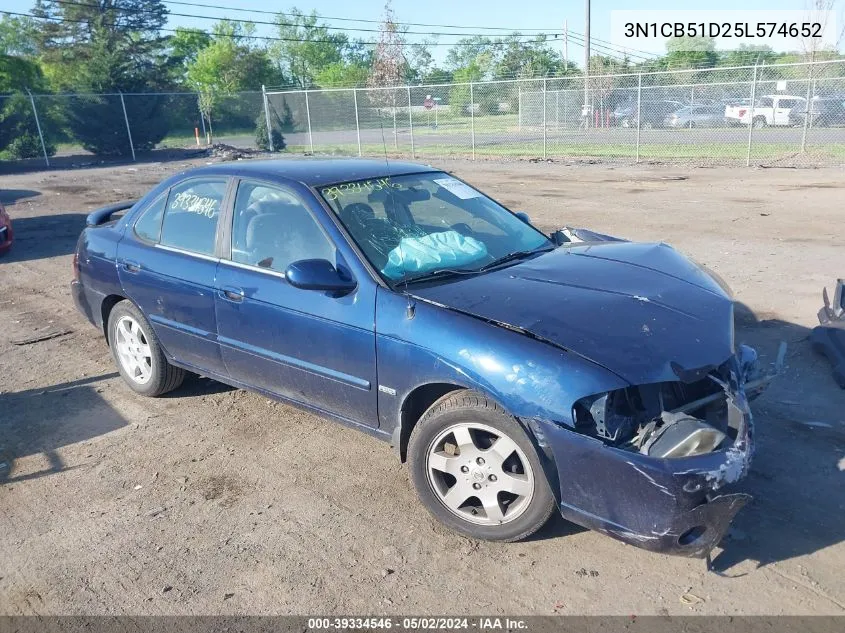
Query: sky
[546, 15]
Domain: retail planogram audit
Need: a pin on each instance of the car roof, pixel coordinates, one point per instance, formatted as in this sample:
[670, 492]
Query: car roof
[313, 172]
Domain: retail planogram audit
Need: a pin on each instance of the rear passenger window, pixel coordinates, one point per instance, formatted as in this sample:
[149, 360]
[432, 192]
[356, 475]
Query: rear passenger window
[190, 219]
[148, 226]
[271, 228]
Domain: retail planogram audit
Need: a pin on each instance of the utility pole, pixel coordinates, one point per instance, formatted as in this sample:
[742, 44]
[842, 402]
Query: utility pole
[566, 45]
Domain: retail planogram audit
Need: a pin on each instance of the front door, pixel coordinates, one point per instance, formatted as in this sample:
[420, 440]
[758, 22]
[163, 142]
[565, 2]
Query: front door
[167, 265]
[304, 345]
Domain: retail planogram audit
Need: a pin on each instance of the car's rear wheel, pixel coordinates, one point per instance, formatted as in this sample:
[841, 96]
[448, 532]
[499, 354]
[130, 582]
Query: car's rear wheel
[476, 470]
[760, 122]
[138, 354]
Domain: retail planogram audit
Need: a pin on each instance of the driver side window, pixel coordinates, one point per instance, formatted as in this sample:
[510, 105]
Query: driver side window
[271, 229]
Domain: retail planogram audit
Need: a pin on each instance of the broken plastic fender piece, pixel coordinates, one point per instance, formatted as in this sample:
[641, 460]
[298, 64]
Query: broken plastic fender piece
[829, 337]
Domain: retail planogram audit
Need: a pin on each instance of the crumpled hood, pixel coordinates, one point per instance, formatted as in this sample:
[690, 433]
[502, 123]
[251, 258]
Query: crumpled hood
[643, 311]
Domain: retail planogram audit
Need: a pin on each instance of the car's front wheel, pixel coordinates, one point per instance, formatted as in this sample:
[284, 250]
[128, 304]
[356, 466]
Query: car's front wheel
[138, 354]
[476, 470]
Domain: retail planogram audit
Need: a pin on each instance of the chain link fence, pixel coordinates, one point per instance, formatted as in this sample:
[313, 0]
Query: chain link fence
[783, 114]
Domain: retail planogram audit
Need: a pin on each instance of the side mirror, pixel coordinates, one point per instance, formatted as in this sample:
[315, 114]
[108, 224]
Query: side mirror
[318, 274]
[522, 215]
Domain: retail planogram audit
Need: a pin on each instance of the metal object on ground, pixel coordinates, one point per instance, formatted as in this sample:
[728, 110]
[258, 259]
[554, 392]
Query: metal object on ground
[828, 338]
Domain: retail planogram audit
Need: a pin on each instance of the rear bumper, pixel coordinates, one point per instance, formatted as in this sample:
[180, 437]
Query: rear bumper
[87, 302]
[672, 506]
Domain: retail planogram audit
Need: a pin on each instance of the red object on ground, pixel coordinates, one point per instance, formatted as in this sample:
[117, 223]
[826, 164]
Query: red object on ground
[6, 233]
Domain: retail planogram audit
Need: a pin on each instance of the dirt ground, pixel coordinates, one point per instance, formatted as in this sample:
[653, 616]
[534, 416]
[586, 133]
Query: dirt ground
[218, 501]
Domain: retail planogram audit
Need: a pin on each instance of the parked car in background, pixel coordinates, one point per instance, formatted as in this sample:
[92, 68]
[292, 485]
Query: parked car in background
[650, 114]
[768, 110]
[517, 373]
[6, 233]
[823, 112]
[622, 113]
[696, 116]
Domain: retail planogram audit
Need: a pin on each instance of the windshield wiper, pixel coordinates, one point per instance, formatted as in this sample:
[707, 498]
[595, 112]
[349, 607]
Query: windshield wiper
[443, 273]
[504, 259]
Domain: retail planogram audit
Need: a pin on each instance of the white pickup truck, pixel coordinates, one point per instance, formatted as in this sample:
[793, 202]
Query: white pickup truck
[769, 110]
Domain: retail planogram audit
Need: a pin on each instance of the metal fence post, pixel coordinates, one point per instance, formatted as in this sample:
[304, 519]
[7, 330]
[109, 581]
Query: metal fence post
[308, 116]
[807, 108]
[557, 109]
[472, 117]
[639, 104]
[267, 119]
[411, 121]
[128, 130]
[38, 125]
[202, 119]
[395, 137]
[751, 117]
[357, 125]
[544, 117]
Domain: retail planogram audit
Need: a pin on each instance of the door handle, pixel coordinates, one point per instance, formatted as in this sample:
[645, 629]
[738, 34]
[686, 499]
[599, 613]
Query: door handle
[232, 294]
[130, 266]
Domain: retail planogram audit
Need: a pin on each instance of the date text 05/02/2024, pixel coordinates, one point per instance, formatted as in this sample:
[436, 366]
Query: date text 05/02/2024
[418, 623]
[763, 30]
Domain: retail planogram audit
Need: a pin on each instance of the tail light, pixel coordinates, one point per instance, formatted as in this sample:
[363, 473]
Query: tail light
[75, 266]
[742, 112]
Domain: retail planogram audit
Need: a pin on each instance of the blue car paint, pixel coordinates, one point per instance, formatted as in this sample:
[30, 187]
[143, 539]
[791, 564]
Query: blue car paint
[644, 311]
[622, 314]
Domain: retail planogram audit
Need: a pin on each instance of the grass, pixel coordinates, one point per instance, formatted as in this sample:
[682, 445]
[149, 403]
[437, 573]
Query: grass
[732, 151]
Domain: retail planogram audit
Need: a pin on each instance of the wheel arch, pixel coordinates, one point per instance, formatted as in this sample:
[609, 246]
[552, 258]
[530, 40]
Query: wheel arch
[108, 304]
[416, 403]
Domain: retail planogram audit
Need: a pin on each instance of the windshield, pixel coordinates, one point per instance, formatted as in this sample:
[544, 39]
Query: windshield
[422, 224]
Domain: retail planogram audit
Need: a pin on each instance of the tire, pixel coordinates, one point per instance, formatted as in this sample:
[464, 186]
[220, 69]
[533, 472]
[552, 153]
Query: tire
[138, 354]
[759, 122]
[490, 472]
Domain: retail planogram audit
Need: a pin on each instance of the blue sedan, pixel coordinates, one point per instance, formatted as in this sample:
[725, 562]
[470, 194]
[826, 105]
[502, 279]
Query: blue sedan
[517, 373]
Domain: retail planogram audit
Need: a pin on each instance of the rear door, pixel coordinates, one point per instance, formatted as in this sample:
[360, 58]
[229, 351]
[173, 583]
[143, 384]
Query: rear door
[167, 265]
[782, 109]
[304, 345]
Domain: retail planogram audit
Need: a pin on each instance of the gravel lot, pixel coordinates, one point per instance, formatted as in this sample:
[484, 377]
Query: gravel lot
[213, 500]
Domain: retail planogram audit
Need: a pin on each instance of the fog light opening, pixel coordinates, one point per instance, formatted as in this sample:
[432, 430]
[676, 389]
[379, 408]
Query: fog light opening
[692, 535]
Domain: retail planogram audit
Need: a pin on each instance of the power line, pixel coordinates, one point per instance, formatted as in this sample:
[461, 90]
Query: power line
[597, 42]
[265, 12]
[317, 26]
[242, 37]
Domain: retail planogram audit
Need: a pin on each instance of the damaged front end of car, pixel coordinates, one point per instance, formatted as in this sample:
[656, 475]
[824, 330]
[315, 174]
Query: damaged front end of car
[660, 455]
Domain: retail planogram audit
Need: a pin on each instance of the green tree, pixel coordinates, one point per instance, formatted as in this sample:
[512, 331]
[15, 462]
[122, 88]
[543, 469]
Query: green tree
[690, 52]
[459, 94]
[18, 130]
[183, 48]
[17, 36]
[106, 46]
[468, 50]
[227, 65]
[526, 59]
[309, 47]
[342, 75]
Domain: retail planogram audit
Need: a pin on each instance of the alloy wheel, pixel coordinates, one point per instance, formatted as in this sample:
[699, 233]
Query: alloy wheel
[133, 350]
[480, 474]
